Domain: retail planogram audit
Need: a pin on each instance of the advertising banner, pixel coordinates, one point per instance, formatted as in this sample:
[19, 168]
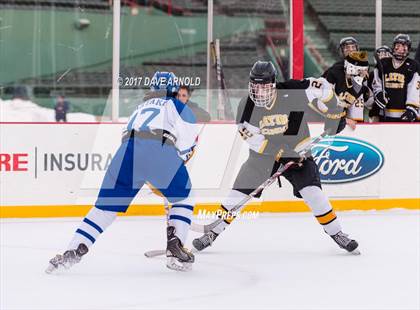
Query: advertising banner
[63, 165]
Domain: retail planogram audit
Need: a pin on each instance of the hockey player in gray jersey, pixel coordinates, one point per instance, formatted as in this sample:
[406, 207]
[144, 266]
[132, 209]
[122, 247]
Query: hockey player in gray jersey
[273, 121]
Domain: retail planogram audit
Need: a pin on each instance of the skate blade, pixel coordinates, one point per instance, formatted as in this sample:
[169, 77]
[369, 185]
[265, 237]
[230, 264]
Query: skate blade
[173, 264]
[51, 269]
[154, 253]
[355, 252]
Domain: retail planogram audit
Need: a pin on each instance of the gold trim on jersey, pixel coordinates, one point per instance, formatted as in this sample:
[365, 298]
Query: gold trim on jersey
[302, 142]
[347, 83]
[273, 103]
[335, 116]
[348, 98]
[396, 66]
[394, 110]
[416, 105]
[326, 218]
[277, 122]
[263, 146]
[330, 96]
[279, 154]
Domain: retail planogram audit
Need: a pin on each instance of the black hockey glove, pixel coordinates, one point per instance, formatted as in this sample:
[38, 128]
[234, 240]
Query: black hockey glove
[374, 111]
[381, 100]
[410, 114]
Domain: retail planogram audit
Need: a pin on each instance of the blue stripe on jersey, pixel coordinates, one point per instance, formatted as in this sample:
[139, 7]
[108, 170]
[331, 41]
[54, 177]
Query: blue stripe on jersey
[85, 234]
[184, 111]
[130, 124]
[191, 208]
[180, 218]
[94, 225]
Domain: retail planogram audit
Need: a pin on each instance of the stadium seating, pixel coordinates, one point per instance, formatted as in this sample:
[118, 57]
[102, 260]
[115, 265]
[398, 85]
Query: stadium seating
[92, 5]
[363, 7]
[337, 19]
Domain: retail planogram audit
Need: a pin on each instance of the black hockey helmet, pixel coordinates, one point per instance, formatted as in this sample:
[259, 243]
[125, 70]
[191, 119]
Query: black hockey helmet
[383, 51]
[263, 72]
[262, 83]
[404, 39]
[347, 45]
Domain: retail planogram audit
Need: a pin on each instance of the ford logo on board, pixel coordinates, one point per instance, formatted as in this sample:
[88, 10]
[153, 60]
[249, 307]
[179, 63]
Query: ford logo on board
[344, 159]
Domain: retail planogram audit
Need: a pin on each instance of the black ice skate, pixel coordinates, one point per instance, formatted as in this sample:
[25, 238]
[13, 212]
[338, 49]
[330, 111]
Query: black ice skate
[205, 240]
[178, 258]
[346, 243]
[68, 259]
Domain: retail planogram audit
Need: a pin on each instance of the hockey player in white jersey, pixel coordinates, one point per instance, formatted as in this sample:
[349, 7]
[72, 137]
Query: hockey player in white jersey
[159, 138]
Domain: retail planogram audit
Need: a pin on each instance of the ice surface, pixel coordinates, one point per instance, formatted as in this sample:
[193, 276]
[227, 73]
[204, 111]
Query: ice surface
[276, 261]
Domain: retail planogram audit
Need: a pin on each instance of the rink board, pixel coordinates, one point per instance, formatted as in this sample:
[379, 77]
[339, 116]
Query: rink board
[56, 170]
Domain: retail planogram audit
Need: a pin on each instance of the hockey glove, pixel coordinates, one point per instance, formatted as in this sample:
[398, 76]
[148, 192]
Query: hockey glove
[410, 114]
[381, 100]
[251, 135]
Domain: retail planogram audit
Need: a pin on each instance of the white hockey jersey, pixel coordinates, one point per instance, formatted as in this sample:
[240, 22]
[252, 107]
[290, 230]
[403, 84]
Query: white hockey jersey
[168, 114]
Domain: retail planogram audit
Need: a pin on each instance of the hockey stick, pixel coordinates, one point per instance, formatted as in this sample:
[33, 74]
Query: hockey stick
[206, 228]
[381, 69]
[154, 253]
[224, 106]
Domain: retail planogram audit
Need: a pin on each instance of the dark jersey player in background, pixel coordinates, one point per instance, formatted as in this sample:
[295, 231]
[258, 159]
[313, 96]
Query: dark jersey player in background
[383, 51]
[397, 88]
[350, 88]
[273, 121]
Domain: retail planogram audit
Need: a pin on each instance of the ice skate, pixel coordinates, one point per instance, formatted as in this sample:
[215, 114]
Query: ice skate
[346, 243]
[205, 240]
[68, 259]
[178, 257]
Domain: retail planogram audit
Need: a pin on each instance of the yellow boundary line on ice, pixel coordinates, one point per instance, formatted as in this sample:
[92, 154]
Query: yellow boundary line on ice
[156, 209]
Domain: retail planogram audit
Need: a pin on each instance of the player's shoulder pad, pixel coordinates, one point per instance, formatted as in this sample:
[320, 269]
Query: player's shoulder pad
[335, 66]
[184, 111]
[338, 65]
[293, 84]
[333, 73]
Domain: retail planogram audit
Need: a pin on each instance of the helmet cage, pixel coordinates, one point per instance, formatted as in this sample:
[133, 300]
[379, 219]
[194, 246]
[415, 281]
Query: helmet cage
[262, 94]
